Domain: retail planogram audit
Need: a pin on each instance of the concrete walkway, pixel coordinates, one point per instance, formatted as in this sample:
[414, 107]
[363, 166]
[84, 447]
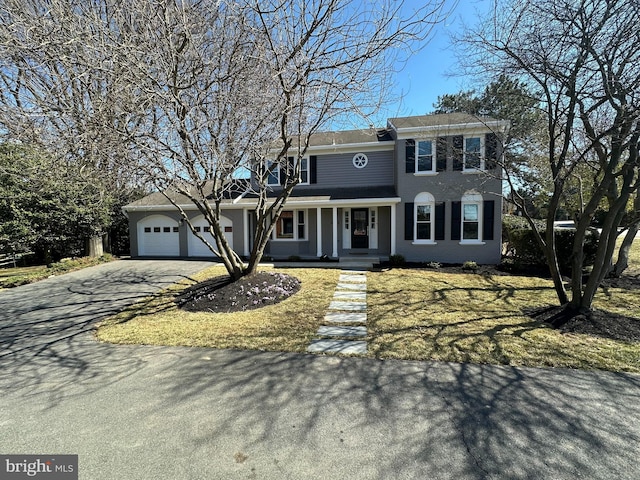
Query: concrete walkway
[346, 319]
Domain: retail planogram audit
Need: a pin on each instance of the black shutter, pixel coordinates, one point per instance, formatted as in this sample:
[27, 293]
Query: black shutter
[458, 153]
[313, 169]
[456, 219]
[408, 221]
[487, 219]
[410, 155]
[441, 154]
[491, 151]
[440, 216]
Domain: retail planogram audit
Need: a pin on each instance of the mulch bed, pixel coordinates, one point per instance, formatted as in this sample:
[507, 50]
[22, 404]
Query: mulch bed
[220, 295]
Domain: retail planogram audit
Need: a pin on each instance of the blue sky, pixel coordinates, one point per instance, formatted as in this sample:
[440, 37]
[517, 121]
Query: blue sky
[424, 76]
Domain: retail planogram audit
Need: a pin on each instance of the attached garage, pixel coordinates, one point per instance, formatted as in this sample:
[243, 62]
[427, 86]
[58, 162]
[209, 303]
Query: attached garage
[158, 236]
[196, 247]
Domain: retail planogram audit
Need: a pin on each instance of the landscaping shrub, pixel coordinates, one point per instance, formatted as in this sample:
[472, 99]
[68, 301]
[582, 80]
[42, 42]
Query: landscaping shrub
[397, 260]
[469, 265]
[525, 249]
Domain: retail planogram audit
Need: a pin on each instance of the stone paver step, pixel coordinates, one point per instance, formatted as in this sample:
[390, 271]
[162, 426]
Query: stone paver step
[354, 272]
[327, 331]
[352, 286]
[344, 317]
[341, 295]
[352, 278]
[338, 346]
[348, 306]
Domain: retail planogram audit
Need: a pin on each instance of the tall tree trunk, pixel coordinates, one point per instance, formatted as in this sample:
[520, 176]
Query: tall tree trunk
[623, 254]
[94, 247]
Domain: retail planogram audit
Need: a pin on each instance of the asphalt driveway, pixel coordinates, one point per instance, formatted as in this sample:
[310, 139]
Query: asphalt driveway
[140, 412]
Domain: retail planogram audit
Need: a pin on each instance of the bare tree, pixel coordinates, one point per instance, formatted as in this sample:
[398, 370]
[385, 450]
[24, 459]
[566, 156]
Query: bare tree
[584, 58]
[202, 93]
[60, 90]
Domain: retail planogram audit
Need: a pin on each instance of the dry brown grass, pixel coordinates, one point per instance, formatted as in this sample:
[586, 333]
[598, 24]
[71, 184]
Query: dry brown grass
[287, 326]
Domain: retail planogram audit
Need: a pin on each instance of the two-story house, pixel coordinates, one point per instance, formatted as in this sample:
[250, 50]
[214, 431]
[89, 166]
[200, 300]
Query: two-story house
[425, 187]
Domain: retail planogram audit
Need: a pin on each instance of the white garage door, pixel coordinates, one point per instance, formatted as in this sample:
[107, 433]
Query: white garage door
[158, 236]
[197, 248]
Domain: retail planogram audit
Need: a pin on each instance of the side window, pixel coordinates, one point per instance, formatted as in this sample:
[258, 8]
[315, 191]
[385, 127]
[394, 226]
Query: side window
[274, 175]
[473, 154]
[424, 224]
[424, 156]
[469, 218]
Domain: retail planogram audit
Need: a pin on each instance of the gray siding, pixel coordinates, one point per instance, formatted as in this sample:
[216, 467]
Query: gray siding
[337, 170]
[448, 186]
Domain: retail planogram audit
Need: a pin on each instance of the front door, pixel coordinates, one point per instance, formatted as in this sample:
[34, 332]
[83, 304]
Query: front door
[360, 228]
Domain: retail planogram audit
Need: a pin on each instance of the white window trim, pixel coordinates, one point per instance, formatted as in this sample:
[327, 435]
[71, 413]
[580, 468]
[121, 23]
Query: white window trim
[464, 155]
[471, 199]
[276, 172]
[274, 234]
[424, 173]
[308, 170]
[420, 202]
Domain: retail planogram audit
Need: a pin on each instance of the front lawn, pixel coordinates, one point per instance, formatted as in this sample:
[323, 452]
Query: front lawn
[460, 317]
[286, 326]
[414, 314]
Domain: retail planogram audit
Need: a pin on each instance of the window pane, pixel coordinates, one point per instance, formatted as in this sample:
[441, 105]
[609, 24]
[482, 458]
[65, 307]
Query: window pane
[472, 153]
[301, 217]
[425, 158]
[424, 148]
[472, 145]
[470, 231]
[274, 176]
[425, 164]
[424, 213]
[470, 213]
[423, 231]
[301, 232]
[285, 225]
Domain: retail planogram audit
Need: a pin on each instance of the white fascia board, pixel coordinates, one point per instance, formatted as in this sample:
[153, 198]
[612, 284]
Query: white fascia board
[315, 203]
[471, 128]
[293, 203]
[353, 147]
[348, 148]
[188, 207]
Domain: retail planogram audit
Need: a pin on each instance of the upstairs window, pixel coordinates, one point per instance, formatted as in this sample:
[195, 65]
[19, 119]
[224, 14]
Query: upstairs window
[304, 170]
[424, 156]
[473, 160]
[274, 175]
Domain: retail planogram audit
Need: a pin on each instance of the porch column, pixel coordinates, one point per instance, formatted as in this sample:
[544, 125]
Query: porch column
[245, 230]
[319, 232]
[335, 232]
[393, 229]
